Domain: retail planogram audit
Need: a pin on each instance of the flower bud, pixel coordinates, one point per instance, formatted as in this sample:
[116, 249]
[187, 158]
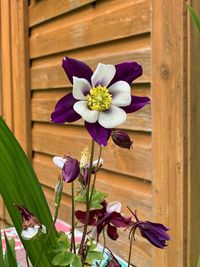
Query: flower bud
[58, 192]
[71, 170]
[121, 139]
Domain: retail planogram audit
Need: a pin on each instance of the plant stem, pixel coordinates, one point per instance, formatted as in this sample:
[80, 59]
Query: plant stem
[57, 206]
[95, 175]
[73, 244]
[104, 245]
[130, 249]
[87, 197]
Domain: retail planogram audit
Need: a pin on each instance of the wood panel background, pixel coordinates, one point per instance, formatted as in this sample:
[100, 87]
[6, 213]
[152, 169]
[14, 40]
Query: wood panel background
[155, 173]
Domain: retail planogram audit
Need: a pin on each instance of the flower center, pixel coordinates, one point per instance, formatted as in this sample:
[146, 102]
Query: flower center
[99, 98]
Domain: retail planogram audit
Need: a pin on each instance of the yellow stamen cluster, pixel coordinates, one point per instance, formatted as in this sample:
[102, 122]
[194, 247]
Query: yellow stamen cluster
[99, 98]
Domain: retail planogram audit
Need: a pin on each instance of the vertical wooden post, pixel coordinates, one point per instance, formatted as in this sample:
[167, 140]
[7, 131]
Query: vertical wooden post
[194, 140]
[169, 135]
[20, 74]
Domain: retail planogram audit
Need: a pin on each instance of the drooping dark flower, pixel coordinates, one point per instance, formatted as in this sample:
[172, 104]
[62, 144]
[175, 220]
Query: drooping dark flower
[31, 226]
[155, 233]
[70, 168]
[109, 216]
[101, 98]
[121, 139]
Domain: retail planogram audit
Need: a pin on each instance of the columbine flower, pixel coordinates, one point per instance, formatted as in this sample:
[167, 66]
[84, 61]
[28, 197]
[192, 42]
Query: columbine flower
[70, 168]
[30, 224]
[121, 139]
[109, 216]
[101, 98]
[155, 233]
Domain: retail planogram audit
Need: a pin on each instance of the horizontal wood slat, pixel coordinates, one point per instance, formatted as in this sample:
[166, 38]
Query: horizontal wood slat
[43, 107]
[125, 21]
[137, 162]
[53, 76]
[45, 10]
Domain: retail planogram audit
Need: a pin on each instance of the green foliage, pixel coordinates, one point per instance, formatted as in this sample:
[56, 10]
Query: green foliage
[10, 256]
[198, 264]
[62, 255]
[93, 254]
[97, 198]
[194, 16]
[20, 185]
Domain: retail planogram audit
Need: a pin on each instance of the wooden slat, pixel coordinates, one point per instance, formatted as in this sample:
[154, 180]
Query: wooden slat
[136, 162]
[169, 128]
[53, 76]
[20, 74]
[42, 108]
[7, 110]
[120, 22]
[45, 10]
[193, 186]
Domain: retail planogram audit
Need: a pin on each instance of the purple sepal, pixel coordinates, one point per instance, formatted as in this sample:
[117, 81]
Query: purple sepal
[98, 133]
[64, 111]
[74, 67]
[137, 102]
[71, 170]
[127, 71]
[112, 232]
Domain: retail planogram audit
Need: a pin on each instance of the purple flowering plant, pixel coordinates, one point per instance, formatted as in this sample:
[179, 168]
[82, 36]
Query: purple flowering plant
[103, 100]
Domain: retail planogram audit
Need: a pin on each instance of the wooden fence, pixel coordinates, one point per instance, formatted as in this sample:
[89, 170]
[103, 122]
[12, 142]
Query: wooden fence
[159, 177]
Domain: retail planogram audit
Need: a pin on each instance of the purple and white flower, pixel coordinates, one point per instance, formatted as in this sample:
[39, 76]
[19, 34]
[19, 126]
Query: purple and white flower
[31, 227]
[109, 216]
[102, 98]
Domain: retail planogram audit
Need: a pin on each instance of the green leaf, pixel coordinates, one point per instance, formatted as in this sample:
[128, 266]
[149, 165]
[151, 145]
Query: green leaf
[1, 251]
[62, 243]
[63, 258]
[94, 255]
[194, 16]
[198, 264]
[20, 185]
[10, 257]
[77, 261]
[97, 198]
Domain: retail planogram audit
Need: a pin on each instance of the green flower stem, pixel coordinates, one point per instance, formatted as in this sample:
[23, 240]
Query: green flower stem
[27, 261]
[95, 175]
[73, 244]
[104, 245]
[58, 196]
[130, 249]
[87, 198]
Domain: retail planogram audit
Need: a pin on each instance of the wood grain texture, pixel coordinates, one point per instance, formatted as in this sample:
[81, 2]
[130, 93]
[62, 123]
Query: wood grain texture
[44, 10]
[193, 186]
[119, 20]
[137, 162]
[169, 131]
[20, 74]
[7, 110]
[53, 76]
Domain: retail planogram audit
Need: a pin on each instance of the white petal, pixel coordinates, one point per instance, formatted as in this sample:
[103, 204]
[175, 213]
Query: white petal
[59, 162]
[94, 164]
[43, 229]
[81, 87]
[103, 75]
[29, 233]
[121, 94]
[112, 118]
[114, 206]
[88, 115]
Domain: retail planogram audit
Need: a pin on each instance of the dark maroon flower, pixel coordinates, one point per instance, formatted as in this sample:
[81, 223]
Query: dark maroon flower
[31, 226]
[121, 139]
[108, 216]
[155, 233]
[70, 168]
[101, 98]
